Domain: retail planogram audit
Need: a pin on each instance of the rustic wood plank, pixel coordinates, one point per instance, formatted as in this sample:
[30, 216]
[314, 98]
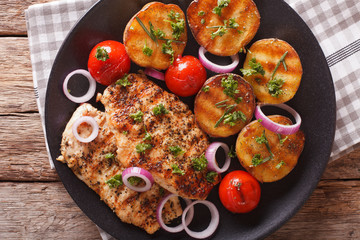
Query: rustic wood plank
[41, 211]
[12, 16]
[45, 211]
[332, 212]
[23, 152]
[17, 89]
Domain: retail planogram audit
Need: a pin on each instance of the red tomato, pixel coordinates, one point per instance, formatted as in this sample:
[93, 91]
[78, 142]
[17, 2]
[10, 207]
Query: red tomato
[108, 61]
[185, 76]
[239, 192]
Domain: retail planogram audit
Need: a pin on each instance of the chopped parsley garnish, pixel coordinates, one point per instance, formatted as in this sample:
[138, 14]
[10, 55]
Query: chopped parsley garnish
[210, 176]
[282, 140]
[255, 68]
[142, 147]
[220, 6]
[232, 23]
[123, 81]
[278, 166]
[206, 89]
[177, 24]
[101, 54]
[201, 13]
[232, 118]
[263, 140]
[176, 150]
[199, 163]
[160, 109]
[237, 185]
[115, 181]
[146, 50]
[230, 85]
[259, 120]
[147, 136]
[134, 180]
[137, 116]
[274, 86]
[232, 152]
[220, 32]
[177, 170]
[202, 21]
[125, 132]
[167, 49]
[257, 160]
[229, 108]
[109, 155]
[222, 29]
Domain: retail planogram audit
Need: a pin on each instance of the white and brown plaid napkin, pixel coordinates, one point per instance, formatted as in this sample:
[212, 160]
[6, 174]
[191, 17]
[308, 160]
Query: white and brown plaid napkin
[335, 24]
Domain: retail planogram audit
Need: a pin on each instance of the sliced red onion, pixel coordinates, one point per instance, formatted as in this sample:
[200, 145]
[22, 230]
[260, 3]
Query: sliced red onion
[89, 120]
[180, 227]
[215, 67]
[276, 127]
[88, 95]
[213, 223]
[210, 155]
[138, 172]
[154, 73]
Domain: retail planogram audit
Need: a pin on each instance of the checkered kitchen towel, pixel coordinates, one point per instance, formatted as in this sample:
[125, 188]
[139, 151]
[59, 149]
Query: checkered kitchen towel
[335, 23]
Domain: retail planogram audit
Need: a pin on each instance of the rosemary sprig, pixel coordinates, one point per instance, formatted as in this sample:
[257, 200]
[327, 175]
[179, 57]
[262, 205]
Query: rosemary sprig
[282, 60]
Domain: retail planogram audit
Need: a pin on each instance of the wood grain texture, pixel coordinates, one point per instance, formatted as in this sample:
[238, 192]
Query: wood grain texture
[17, 88]
[12, 16]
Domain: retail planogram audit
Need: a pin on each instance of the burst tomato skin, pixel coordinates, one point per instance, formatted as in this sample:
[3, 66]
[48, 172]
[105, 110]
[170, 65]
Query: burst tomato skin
[185, 76]
[239, 192]
[116, 65]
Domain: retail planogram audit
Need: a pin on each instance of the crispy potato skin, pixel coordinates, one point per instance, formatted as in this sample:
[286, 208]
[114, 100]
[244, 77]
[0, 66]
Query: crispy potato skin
[268, 52]
[288, 152]
[135, 38]
[245, 13]
[207, 114]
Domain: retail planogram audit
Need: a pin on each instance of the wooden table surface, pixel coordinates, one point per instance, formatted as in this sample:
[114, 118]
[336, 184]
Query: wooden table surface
[34, 203]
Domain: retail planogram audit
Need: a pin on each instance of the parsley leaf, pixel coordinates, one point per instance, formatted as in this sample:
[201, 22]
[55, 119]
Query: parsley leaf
[257, 160]
[137, 116]
[123, 81]
[177, 170]
[115, 181]
[255, 68]
[109, 155]
[178, 26]
[101, 54]
[274, 86]
[232, 118]
[220, 6]
[206, 89]
[167, 49]
[220, 32]
[147, 136]
[160, 109]
[176, 150]
[142, 147]
[146, 50]
[134, 180]
[199, 163]
[210, 176]
[230, 85]
[201, 13]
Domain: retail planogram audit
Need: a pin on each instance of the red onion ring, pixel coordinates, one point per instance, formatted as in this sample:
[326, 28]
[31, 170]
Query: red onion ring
[138, 172]
[154, 73]
[88, 95]
[276, 127]
[180, 227]
[210, 155]
[89, 120]
[215, 67]
[213, 223]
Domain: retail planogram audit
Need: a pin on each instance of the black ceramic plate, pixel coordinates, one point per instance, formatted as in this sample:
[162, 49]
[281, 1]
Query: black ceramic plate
[315, 101]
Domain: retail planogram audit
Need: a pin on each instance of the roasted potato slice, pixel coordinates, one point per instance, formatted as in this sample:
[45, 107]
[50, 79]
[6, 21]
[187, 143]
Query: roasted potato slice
[148, 51]
[211, 104]
[285, 149]
[285, 82]
[225, 34]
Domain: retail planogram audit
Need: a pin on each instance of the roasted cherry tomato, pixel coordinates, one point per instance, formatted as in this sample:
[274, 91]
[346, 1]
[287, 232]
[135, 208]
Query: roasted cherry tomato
[185, 76]
[239, 192]
[108, 61]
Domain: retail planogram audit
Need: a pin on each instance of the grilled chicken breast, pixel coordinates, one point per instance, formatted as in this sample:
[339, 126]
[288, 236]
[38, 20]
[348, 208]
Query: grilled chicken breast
[154, 130]
[162, 21]
[89, 164]
[223, 27]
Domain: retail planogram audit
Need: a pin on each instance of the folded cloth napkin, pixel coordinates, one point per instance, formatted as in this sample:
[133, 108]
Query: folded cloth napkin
[335, 24]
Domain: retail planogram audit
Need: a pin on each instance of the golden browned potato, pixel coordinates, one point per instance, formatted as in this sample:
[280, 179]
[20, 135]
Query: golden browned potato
[255, 157]
[225, 105]
[272, 86]
[150, 47]
[223, 27]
